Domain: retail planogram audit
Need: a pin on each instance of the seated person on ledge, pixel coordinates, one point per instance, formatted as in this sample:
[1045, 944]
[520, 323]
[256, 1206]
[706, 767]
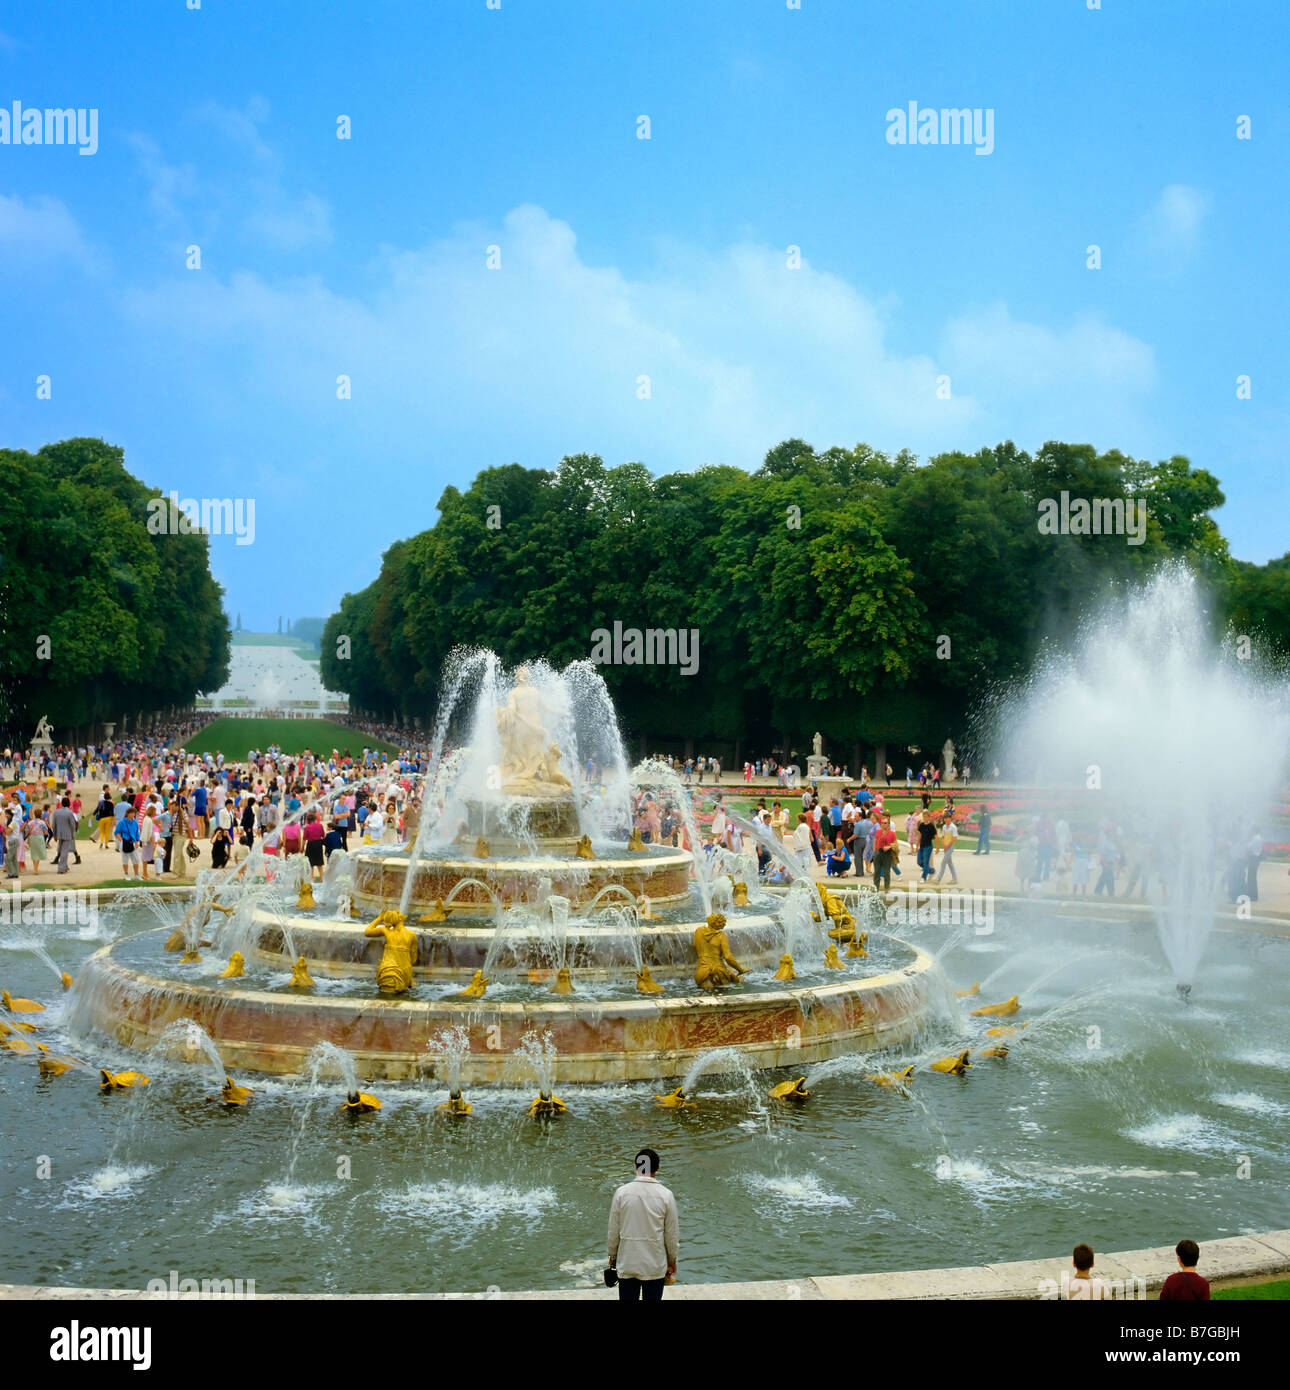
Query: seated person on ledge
[1186, 1285]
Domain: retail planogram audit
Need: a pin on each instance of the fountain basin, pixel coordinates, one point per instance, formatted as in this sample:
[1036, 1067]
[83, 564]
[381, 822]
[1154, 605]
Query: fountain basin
[653, 1037]
[490, 1195]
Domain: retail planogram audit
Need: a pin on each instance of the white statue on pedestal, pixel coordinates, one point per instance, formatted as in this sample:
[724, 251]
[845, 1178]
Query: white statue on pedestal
[817, 763]
[41, 737]
[530, 757]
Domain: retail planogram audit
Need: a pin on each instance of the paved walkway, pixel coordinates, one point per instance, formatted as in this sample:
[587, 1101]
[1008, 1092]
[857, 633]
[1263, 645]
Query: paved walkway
[98, 866]
[997, 871]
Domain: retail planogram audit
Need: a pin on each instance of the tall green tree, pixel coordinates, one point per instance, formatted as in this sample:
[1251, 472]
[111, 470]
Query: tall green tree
[864, 594]
[104, 613]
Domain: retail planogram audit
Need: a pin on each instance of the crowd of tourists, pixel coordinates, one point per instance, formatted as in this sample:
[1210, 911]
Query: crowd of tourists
[141, 793]
[163, 810]
[703, 770]
[412, 740]
[852, 835]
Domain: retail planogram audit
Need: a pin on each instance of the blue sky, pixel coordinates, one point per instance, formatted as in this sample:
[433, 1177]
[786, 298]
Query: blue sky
[623, 257]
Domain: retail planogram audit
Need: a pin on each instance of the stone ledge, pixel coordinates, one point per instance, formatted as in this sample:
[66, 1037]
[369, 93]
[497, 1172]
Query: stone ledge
[1225, 1263]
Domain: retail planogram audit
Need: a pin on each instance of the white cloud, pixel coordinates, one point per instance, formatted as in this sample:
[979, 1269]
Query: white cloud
[248, 194]
[994, 350]
[170, 186]
[542, 356]
[291, 223]
[38, 229]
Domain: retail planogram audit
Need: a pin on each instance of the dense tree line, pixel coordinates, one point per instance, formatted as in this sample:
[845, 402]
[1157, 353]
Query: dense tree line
[101, 614]
[868, 596]
[865, 595]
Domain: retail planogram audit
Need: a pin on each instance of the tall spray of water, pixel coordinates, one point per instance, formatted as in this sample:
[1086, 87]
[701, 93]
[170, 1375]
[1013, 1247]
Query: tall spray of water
[463, 666]
[1154, 728]
[578, 716]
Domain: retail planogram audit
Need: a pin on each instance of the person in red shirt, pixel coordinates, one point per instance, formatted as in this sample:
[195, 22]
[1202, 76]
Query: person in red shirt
[291, 835]
[884, 855]
[314, 833]
[1186, 1286]
[76, 811]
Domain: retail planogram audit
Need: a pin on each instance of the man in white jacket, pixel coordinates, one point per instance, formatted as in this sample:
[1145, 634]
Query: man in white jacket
[643, 1233]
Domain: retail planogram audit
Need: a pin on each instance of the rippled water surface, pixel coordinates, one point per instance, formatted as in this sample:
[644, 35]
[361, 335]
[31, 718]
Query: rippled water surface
[1123, 1117]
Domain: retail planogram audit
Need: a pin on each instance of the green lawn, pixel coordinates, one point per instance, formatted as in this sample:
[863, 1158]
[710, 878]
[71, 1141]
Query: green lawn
[1279, 1289]
[236, 737]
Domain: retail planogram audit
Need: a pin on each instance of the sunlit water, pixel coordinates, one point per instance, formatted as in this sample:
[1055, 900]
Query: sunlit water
[1146, 723]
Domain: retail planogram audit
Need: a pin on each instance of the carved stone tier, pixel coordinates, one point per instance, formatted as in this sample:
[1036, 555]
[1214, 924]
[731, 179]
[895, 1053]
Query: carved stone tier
[544, 822]
[653, 1037]
[456, 949]
[663, 875]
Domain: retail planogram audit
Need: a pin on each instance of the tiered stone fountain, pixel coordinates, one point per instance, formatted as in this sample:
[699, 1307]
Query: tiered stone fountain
[524, 905]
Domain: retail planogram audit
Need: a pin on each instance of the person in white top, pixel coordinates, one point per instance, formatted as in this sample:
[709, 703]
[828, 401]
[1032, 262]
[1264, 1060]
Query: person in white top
[802, 842]
[643, 1233]
[948, 836]
[1083, 1286]
[147, 838]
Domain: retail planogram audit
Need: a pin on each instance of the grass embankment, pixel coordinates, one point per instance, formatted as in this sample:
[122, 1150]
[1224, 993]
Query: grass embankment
[1279, 1289]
